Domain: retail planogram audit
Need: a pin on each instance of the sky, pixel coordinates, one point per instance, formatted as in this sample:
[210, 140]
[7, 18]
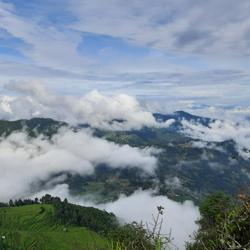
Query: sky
[189, 51]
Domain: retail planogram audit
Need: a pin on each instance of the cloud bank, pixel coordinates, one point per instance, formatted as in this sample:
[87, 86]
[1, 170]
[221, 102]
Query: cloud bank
[120, 112]
[33, 99]
[179, 218]
[26, 161]
[219, 131]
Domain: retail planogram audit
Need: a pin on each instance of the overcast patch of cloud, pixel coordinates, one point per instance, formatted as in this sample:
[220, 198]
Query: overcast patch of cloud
[26, 161]
[179, 218]
[185, 26]
[180, 26]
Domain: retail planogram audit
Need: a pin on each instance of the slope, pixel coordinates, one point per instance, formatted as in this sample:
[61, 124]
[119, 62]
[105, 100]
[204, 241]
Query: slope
[32, 227]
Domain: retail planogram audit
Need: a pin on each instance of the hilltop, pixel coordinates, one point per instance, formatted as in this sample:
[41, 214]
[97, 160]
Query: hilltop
[41, 226]
[28, 228]
[53, 224]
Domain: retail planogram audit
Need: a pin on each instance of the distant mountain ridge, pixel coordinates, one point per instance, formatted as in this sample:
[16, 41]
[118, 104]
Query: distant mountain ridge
[48, 125]
[33, 126]
[179, 116]
[185, 170]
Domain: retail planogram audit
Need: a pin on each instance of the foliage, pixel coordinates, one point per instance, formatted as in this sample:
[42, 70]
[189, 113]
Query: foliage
[3, 244]
[54, 224]
[133, 236]
[178, 158]
[25, 227]
[224, 225]
[69, 214]
[25, 224]
[214, 209]
[3, 204]
[89, 217]
[137, 236]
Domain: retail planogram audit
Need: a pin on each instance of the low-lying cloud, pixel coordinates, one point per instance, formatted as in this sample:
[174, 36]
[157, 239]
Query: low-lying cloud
[219, 131]
[26, 161]
[178, 218]
[33, 99]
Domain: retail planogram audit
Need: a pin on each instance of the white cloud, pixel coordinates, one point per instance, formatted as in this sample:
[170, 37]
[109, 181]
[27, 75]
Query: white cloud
[44, 45]
[179, 218]
[181, 26]
[185, 26]
[166, 32]
[98, 110]
[219, 131]
[26, 161]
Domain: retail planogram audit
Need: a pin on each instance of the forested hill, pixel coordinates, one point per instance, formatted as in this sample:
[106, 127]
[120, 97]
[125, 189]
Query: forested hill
[53, 224]
[187, 168]
[33, 126]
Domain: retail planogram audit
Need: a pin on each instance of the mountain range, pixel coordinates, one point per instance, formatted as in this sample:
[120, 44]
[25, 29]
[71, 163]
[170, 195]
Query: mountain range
[187, 168]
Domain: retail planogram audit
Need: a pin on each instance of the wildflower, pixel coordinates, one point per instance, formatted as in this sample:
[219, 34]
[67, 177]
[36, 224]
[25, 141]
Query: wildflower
[160, 209]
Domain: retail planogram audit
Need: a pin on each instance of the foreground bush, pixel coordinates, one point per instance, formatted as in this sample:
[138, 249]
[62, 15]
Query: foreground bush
[224, 225]
[137, 236]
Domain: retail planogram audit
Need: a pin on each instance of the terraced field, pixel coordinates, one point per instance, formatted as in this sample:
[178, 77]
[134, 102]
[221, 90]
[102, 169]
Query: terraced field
[31, 227]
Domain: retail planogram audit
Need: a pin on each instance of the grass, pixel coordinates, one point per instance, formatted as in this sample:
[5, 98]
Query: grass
[31, 228]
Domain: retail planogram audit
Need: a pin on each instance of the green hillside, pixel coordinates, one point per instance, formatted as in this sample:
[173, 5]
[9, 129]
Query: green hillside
[185, 170]
[32, 227]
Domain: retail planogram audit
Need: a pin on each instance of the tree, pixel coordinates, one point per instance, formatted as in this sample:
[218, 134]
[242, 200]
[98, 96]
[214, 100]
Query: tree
[225, 225]
[46, 199]
[11, 203]
[214, 209]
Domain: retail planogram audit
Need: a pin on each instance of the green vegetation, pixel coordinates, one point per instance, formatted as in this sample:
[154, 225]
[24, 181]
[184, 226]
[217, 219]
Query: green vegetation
[200, 170]
[224, 225]
[184, 171]
[136, 236]
[52, 224]
[33, 227]
[94, 219]
[33, 126]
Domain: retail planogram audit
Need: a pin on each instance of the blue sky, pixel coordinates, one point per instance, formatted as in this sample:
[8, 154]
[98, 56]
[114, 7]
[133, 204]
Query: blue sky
[167, 49]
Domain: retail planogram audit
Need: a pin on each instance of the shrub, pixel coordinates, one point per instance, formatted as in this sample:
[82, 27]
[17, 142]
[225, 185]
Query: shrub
[224, 225]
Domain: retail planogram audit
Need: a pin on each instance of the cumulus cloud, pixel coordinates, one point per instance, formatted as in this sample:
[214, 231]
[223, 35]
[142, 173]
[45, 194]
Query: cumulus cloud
[219, 131]
[179, 218]
[26, 161]
[109, 112]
